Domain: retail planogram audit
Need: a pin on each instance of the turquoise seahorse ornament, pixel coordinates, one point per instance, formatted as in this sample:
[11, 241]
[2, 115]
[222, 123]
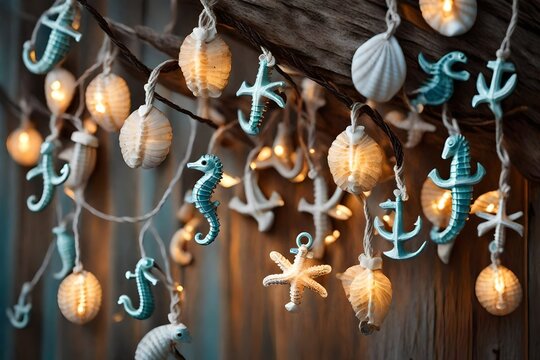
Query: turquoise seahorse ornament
[460, 183]
[260, 92]
[398, 236]
[201, 195]
[495, 93]
[45, 168]
[65, 243]
[439, 88]
[144, 278]
[19, 316]
[60, 38]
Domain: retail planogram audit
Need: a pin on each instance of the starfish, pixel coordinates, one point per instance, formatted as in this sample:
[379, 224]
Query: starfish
[413, 123]
[298, 275]
[499, 221]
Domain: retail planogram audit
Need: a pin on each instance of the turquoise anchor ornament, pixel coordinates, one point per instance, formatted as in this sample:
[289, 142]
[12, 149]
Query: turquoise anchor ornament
[20, 314]
[495, 93]
[45, 168]
[144, 278]
[65, 243]
[439, 88]
[201, 195]
[260, 92]
[460, 183]
[60, 38]
[398, 236]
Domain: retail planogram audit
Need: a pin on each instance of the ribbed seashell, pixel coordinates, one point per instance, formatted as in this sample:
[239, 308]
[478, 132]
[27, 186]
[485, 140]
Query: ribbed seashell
[378, 68]
[205, 62]
[82, 159]
[436, 204]
[355, 161]
[488, 203]
[79, 297]
[59, 89]
[109, 101]
[145, 141]
[449, 17]
[501, 302]
[161, 343]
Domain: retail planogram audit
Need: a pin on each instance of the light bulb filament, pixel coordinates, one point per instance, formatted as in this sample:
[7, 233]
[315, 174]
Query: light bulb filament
[447, 6]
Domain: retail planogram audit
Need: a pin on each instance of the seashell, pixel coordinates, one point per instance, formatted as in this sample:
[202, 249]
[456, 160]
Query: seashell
[355, 161]
[24, 145]
[378, 68]
[79, 297]
[161, 343]
[108, 101]
[498, 290]
[436, 204]
[59, 89]
[81, 157]
[205, 62]
[449, 17]
[487, 203]
[145, 141]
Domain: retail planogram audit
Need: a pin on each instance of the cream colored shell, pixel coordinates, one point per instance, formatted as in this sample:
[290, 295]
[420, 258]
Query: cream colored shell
[109, 101]
[488, 203]
[449, 17]
[79, 297]
[436, 204]
[205, 63]
[59, 89]
[378, 68]
[145, 141]
[82, 159]
[355, 161]
[24, 145]
[510, 290]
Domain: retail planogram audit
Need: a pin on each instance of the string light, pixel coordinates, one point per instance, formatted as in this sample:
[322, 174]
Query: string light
[59, 89]
[228, 181]
[24, 144]
[447, 7]
[79, 297]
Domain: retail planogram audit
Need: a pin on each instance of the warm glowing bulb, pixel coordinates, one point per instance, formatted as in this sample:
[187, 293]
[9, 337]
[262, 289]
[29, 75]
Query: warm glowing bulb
[447, 6]
[24, 145]
[228, 181]
[279, 150]
[90, 125]
[441, 204]
[312, 151]
[498, 282]
[24, 140]
[253, 166]
[386, 218]
[264, 154]
[179, 288]
[55, 85]
[490, 208]
[100, 108]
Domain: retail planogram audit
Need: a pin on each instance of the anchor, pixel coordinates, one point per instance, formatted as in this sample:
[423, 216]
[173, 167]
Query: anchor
[20, 314]
[398, 236]
[495, 94]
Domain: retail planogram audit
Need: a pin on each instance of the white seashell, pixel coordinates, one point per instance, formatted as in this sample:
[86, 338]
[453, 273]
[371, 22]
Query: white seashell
[205, 63]
[488, 203]
[501, 302]
[108, 100]
[145, 141]
[378, 68]
[81, 157]
[161, 343]
[59, 89]
[436, 204]
[79, 297]
[355, 161]
[449, 17]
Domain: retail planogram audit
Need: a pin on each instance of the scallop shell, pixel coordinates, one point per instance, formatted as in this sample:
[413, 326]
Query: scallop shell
[82, 159]
[145, 141]
[205, 63]
[25, 149]
[430, 197]
[79, 297]
[489, 297]
[367, 159]
[108, 100]
[488, 203]
[457, 21]
[59, 89]
[378, 68]
[160, 343]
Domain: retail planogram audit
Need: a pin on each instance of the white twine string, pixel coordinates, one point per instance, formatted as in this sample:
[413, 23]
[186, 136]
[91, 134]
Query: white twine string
[218, 134]
[504, 51]
[75, 228]
[392, 18]
[150, 86]
[400, 183]
[270, 59]
[368, 230]
[207, 20]
[26, 110]
[451, 125]
[168, 29]
[51, 11]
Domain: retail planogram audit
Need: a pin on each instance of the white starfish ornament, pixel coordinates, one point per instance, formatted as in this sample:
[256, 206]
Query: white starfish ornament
[413, 123]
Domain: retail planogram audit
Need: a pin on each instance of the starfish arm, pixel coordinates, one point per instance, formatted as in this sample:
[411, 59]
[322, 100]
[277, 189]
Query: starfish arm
[318, 270]
[486, 226]
[333, 201]
[280, 260]
[481, 87]
[245, 89]
[315, 286]
[485, 216]
[304, 206]
[516, 215]
[237, 205]
[276, 279]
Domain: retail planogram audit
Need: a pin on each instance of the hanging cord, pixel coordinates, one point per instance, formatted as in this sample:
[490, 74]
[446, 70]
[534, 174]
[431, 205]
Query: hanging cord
[504, 51]
[392, 18]
[54, 9]
[207, 20]
[218, 134]
[451, 125]
[168, 29]
[150, 86]
[144, 228]
[75, 228]
[368, 230]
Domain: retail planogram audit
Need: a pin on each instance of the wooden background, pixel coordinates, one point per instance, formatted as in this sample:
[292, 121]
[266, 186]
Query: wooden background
[434, 312]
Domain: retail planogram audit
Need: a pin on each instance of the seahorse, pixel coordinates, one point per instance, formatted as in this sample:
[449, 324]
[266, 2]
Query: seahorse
[65, 244]
[460, 183]
[59, 42]
[143, 276]
[202, 192]
[45, 168]
[439, 88]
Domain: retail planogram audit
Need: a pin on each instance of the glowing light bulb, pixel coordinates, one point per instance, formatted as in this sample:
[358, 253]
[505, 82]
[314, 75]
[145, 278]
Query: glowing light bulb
[90, 125]
[279, 150]
[264, 154]
[312, 151]
[179, 288]
[56, 85]
[443, 201]
[59, 89]
[386, 218]
[253, 166]
[447, 6]
[228, 181]
[24, 145]
[490, 208]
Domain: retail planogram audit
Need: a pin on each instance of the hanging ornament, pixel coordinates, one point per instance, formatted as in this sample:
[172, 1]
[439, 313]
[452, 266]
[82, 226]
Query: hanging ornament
[79, 297]
[436, 204]
[65, 243]
[298, 275]
[412, 122]
[144, 278]
[449, 17]
[486, 203]
[162, 341]
[498, 290]
[60, 87]
[205, 59]
[369, 291]
[146, 136]
[202, 192]
[82, 158]
[19, 314]
[24, 143]
[260, 92]
[378, 68]
[180, 239]
[63, 29]
[108, 100]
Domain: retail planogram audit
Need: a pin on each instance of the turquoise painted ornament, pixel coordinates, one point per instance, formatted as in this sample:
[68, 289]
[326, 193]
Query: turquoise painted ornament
[201, 195]
[60, 37]
[65, 243]
[460, 183]
[398, 236]
[439, 88]
[19, 316]
[496, 91]
[144, 278]
[45, 168]
[260, 92]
